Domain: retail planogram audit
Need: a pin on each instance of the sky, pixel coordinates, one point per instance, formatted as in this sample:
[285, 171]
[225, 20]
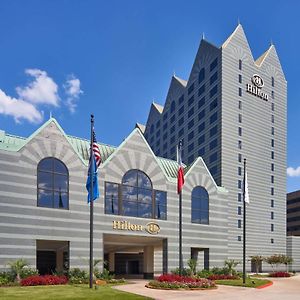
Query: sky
[71, 58]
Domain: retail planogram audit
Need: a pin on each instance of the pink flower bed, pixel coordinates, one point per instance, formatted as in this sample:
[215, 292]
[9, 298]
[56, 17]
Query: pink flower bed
[44, 280]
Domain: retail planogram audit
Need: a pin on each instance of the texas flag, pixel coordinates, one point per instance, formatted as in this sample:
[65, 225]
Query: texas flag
[180, 175]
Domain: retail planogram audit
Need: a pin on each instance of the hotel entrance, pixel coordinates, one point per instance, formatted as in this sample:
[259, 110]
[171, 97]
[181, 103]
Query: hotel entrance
[135, 256]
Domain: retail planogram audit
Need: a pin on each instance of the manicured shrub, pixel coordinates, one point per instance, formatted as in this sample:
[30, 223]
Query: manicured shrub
[204, 273]
[77, 276]
[222, 277]
[185, 272]
[280, 274]
[44, 280]
[7, 277]
[26, 272]
[173, 281]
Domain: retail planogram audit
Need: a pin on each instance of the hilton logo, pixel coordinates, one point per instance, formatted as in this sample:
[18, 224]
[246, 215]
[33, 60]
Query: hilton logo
[151, 227]
[255, 89]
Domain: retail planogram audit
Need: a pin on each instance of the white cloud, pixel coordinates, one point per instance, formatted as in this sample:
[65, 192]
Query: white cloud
[293, 172]
[19, 109]
[73, 91]
[42, 90]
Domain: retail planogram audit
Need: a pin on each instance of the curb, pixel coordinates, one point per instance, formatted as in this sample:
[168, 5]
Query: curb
[265, 285]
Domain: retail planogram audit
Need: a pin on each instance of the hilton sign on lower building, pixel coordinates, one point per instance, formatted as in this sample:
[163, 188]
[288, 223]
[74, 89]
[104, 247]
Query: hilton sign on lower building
[255, 88]
[151, 227]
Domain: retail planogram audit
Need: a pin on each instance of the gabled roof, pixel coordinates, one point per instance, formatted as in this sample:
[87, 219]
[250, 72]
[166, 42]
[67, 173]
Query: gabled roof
[158, 107]
[238, 28]
[180, 80]
[260, 60]
[141, 127]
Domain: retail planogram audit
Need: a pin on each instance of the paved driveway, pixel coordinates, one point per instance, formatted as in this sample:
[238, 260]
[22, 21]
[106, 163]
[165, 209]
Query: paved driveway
[282, 289]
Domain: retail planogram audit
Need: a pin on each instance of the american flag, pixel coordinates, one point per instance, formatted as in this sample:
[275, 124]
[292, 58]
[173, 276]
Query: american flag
[96, 150]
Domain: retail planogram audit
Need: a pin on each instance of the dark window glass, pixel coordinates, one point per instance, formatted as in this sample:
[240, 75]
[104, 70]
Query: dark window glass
[272, 119]
[172, 129]
[272, 143]
[172, 119]
[191, 88]
[272, 241]
[272, 191]
[181, 110]
[213, 131]
[191, 101]
[272, 94]
[213, 78]
[213, 104]
[239, 184]
[201, 127]
[200, 205]
[240, 145]
[272, 106]
[165, 146]
[190, 159]
[240, 64]
[180, 121]
[165, 126]
[239, 238]
[272, 167]
[240, 131]
[240, 118]
[111, 198]
[272, 130]
[191, 124]
[240, 78]
[272, 81]
[165, 136]
[201, 102]
[181, 99]
[272, 215]
[272, 227]
[157, 142]
[239, 171]
[240, 92]
[165, 117]
[191, 112]
[239, 224]
[52, 184]
[161, 205]
[191, 147]
[191, 135]
[157, 133]
[213, 170]
[239, 210]
[213, 117]
[213, 91]
[172, 106]
[239, 197]
[172, 140]
[158, 124]
[272, 178]
[201, 151]
[213, 64]
[240, 157]
[181, 132]
[272, 154]
[213, 157]
[213, 144]
[201, 139]
[201, 114]
[151, 128]
[272, 203]
[201, 90]
[201, 75]
[240, 104]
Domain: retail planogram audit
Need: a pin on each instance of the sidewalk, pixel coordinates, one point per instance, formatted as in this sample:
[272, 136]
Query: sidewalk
[282, 288]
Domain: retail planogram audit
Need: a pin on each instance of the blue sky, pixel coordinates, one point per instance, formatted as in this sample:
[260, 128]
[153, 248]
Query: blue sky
[113, 58]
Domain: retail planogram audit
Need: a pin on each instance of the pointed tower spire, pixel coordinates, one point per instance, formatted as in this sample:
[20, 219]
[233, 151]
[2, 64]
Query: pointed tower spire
[239, 23]
[203, 36]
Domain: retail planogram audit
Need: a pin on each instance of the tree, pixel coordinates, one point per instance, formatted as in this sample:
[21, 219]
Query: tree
[274, 260]
[17, 266]
[256, 260]
[230, 264]
[287, 260]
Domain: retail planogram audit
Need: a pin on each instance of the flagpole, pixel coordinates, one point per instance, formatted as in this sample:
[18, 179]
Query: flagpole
[244, 225]
[91, 203]
[180, 233]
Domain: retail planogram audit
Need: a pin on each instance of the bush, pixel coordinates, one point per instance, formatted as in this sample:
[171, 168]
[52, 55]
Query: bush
[26, 272]
[7, 278]
[77, 276]
[204, 273]
[222, 277]
[280, 274]
[220, 271]
[44, 280]
[185, 272]
[105, 275]
[173, 281]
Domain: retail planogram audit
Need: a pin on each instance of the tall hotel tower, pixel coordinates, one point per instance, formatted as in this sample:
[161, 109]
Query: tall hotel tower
[232, 107]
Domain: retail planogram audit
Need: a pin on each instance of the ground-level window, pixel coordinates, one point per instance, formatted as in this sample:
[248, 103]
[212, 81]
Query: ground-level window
[200, 205]
[135, 197]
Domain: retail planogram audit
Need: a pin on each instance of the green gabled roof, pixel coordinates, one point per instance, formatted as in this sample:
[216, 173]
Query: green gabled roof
[11, 142]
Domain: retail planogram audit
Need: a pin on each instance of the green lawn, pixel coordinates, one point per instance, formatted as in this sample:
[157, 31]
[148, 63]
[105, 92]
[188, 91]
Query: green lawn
[65, 292]
[250, 282]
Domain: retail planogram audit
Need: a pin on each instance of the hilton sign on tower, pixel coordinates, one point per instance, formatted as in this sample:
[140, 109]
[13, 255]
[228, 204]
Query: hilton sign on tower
[255, 88]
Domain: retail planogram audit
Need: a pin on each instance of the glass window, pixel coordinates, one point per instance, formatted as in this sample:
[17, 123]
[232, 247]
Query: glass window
[172, 129]
[272, 106]
[272, 215]
[240, 145]
[201, 115]
[240, 157]
[151, 128]
[239, 197]
[240, 118]
[191, 88]
[160, 205]
[239, 210]
[213, 64]
[201, 127]
[172, 106]
[165, 126]
[213, 104]
[157, 133]
[201, 102]
[181, 99]
[201, 90]
[201, 75]
[191, 112]
[272, 178]
[213, 117]
[272, 130]
[240, 131]
[272, 167]
[213, 170]
[272, 227]
[191, 147]
[272, 119]
[272, 241]
[165, 117]
[239, 238]
[157, 124]
[172, 140]
[272, 203]
[273, 81]
[181, 132]
[213, 144]
[240, 92]
[272, 191]
[52, 184]
[191, 135]
[240, 64]
[181, 110]
[190, 159]
[213, 78]
[200, 205]
[172, 119]
[111, 198]
[201, 139]
[213, 91]
[191, 124]
[213, 131]
[240, 78]
[272, 154]
[240, 104]
[239, 171]
[201, 151]
[213, 157]
[272, 94]
[165, 136]
[239, 224]
[239, 184]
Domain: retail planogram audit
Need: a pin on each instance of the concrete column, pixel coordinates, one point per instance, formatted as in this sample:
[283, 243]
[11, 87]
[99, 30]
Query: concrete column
[111, 262]
[165, 255]
[148, 262]
[59, 260]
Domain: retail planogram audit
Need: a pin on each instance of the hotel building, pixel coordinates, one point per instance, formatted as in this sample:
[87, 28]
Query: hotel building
[232, 107]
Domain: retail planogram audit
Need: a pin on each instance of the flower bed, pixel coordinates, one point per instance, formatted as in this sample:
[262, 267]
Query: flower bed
[280, 274]
[222, 277]
[44, 280]
[172, 281]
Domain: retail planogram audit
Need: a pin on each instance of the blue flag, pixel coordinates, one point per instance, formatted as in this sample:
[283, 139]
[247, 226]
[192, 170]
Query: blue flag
[92, 167]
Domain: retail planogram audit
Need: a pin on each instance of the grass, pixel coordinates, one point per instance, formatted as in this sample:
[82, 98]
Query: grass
[65, 292]
[250, 282]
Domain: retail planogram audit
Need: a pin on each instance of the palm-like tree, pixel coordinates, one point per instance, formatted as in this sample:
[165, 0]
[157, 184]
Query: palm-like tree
[17, 266]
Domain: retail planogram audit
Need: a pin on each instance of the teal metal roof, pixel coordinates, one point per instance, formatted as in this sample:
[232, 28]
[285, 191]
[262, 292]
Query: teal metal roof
[11, 142]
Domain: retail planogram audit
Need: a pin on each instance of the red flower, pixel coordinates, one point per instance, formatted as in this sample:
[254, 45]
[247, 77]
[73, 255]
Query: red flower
[44, 280]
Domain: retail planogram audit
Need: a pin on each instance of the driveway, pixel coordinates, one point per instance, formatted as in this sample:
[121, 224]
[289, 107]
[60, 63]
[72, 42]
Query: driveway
[282, 289]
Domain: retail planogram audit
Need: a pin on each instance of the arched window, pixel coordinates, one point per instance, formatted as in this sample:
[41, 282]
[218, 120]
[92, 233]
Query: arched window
[200, 205]
[52, 184]
[135, 197]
